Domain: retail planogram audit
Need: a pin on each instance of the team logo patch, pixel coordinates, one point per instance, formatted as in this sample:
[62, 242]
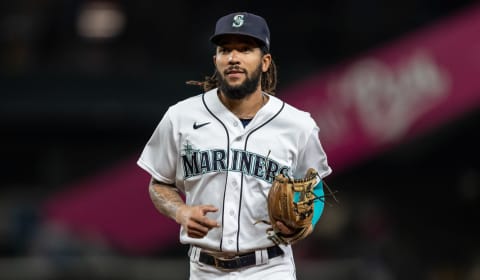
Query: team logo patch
[238, 21]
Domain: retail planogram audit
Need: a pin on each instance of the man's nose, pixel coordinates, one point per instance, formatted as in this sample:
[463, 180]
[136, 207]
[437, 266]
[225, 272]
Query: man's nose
[233, 57]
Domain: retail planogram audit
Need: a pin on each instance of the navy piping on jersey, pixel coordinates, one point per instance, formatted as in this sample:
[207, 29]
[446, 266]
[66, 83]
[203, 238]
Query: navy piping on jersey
[241, 184]
[228, 163]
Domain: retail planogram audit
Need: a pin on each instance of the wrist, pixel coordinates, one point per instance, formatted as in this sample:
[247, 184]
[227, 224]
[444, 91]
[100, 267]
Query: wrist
[178, 214]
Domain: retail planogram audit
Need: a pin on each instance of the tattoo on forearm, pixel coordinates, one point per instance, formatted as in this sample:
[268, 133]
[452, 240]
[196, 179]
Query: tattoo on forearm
[166, 199]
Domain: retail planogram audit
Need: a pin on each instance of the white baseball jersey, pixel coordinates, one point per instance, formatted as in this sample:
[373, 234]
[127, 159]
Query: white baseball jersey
[204, 150]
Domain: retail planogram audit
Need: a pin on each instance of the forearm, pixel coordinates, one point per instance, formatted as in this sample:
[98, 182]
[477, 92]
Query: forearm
[166, 198]
[193, 218]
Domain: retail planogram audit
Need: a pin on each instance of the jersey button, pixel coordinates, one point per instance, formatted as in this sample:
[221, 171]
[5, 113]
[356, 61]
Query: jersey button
[230, 241]
[235, 124]
[232, 213]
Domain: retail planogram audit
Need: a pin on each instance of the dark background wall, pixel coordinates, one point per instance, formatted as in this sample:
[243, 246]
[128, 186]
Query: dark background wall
[71, 106]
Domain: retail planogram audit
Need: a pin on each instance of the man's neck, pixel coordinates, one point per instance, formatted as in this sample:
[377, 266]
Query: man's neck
[247, 107]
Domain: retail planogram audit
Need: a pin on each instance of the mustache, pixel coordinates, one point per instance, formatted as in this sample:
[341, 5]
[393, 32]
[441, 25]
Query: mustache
[234, 68]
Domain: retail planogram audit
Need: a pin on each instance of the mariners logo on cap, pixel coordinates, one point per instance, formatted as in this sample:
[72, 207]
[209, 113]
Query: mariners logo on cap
[238, 21]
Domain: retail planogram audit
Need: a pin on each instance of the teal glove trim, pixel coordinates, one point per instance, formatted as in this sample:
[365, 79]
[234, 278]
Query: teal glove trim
[296, 196]
[318, 204]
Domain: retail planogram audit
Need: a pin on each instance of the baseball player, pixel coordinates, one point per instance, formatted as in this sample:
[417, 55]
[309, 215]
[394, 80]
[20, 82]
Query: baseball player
[222, 149]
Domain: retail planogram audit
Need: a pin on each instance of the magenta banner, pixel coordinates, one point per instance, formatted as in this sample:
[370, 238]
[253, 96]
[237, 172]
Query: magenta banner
[363, 106]
[390, 94]
[115, 207]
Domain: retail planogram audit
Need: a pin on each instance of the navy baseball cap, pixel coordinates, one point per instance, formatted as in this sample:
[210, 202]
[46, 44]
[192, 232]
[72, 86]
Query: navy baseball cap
[242, 23]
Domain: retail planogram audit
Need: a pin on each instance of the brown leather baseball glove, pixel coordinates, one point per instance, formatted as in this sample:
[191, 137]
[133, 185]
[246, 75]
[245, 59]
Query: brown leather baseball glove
[291, 202]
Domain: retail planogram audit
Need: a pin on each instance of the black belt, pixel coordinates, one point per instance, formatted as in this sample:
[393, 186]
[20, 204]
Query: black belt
[237, 261]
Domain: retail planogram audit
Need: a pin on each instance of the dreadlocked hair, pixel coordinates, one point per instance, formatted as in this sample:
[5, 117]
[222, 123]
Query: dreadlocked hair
[268, 80]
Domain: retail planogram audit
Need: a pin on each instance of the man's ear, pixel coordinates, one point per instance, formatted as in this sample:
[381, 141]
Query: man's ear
[266, 62]
[215, 60]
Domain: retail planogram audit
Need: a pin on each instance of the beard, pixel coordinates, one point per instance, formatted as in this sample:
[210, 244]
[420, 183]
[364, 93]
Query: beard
[244, 89]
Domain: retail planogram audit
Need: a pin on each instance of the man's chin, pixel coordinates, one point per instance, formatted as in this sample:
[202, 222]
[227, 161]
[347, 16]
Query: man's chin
[236, 93]
[235, 87]
[235, 84]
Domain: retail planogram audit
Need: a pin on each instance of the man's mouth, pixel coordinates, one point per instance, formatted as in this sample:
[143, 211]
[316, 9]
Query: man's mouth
[233, 71]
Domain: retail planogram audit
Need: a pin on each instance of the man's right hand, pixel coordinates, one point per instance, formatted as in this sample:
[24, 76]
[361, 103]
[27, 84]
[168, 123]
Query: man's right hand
[194, 219]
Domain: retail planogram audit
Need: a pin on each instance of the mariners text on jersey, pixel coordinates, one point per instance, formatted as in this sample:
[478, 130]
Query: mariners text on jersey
[196, 162]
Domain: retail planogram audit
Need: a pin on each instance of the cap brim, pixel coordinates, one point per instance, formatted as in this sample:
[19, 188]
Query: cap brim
[216, 38]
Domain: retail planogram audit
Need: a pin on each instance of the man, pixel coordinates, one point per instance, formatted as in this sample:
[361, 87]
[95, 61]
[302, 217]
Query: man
[223, 149]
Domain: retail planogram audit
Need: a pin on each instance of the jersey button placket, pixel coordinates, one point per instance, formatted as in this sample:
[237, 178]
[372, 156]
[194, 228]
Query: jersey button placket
[232, 195]
[232, 198]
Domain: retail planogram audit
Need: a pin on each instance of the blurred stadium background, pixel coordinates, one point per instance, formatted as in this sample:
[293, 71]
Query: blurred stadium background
[84, 83]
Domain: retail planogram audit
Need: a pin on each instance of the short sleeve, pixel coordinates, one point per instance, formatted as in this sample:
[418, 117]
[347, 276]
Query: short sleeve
[159, 154]
[313, 155]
